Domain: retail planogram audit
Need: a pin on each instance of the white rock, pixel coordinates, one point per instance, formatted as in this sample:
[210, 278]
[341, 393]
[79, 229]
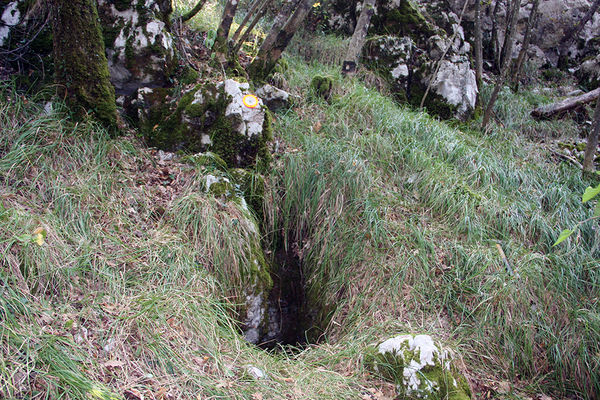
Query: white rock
[11, 15]
[255, 372]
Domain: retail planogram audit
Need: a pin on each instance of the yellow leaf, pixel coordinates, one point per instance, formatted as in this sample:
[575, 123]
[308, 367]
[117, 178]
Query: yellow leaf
[39, 234]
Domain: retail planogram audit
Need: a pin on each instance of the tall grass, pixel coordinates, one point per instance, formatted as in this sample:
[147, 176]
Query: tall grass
[124, 297]
[451, 196]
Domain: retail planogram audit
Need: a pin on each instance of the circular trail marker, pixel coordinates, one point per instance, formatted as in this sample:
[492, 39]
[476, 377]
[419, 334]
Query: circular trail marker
[250, 100]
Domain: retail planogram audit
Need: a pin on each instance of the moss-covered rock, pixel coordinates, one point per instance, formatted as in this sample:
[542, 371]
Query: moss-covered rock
[410, 68]
[211, 117]
[420, 367]
[322, 86]
[138, 43]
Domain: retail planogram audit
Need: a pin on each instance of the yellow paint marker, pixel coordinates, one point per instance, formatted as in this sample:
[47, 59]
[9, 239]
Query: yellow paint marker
[250, 100]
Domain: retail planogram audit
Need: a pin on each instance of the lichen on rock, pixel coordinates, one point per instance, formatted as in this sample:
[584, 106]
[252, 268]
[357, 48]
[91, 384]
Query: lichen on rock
[138, 43]
[420, 367]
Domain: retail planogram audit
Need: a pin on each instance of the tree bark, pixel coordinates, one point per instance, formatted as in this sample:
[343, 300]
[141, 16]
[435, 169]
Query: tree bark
[251, 11]
[193, 11]
[221, 41]
[478, 49]
[509, 38]
[261, 12]
[268, 56]
[511, 26]
[495, 39]
[358, 38]
[556, 109]
[571, 34]
[525, 46]
[284, 14]
[592, 143]
[81, 68]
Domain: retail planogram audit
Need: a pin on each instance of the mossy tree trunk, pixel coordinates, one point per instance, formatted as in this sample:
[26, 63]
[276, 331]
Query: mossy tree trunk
[254, 7]
[525, 46]
[509, 39]
[592, 143]
[495, 40]
[268, 56]
[81, 68]
[284, 14]
[261, 13]
[511, 27]
[221, 43]
[192, 13]
[358, 38]
[571, 34]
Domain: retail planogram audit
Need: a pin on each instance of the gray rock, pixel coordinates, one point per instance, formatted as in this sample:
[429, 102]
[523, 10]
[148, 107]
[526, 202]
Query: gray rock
[139, 47]
[10, 16]
[410, 69]
[273, 97]
[255, 372]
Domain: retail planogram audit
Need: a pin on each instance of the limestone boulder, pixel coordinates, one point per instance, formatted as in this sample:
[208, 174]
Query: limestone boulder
[139, 45]
[421, 368]
[210, 117]
[589, 73]
[407, 41]
[411, 68]
[273, 97]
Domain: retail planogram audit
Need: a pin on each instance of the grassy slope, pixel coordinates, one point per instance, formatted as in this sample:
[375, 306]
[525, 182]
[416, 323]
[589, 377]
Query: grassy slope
[396, 217]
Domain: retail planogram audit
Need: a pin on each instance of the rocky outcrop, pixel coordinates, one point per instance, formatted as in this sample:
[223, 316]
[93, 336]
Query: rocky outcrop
[212, 117]
[273, 97]
[420, 367]
[408, 56]
[139, 46]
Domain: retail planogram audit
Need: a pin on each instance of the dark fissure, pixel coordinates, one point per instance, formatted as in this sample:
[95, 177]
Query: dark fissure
[286, 305]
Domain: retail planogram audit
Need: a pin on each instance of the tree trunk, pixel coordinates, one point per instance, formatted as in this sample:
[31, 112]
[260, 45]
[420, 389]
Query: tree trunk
[267, 57]
[284, 14]
[557, 109]
[525, 46]
[592, 144]
[221, 41]
[358, 38]
[81, 68]
[510, 27]
[478, 49]
[495, 39]
[261, 12]
[193, 11]
[249, 14]
[571, 34]
[509, 38]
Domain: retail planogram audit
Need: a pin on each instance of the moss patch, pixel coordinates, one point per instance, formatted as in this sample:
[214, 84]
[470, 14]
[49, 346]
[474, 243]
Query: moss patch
[183, 125]
[322, 86]
[404, 20]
